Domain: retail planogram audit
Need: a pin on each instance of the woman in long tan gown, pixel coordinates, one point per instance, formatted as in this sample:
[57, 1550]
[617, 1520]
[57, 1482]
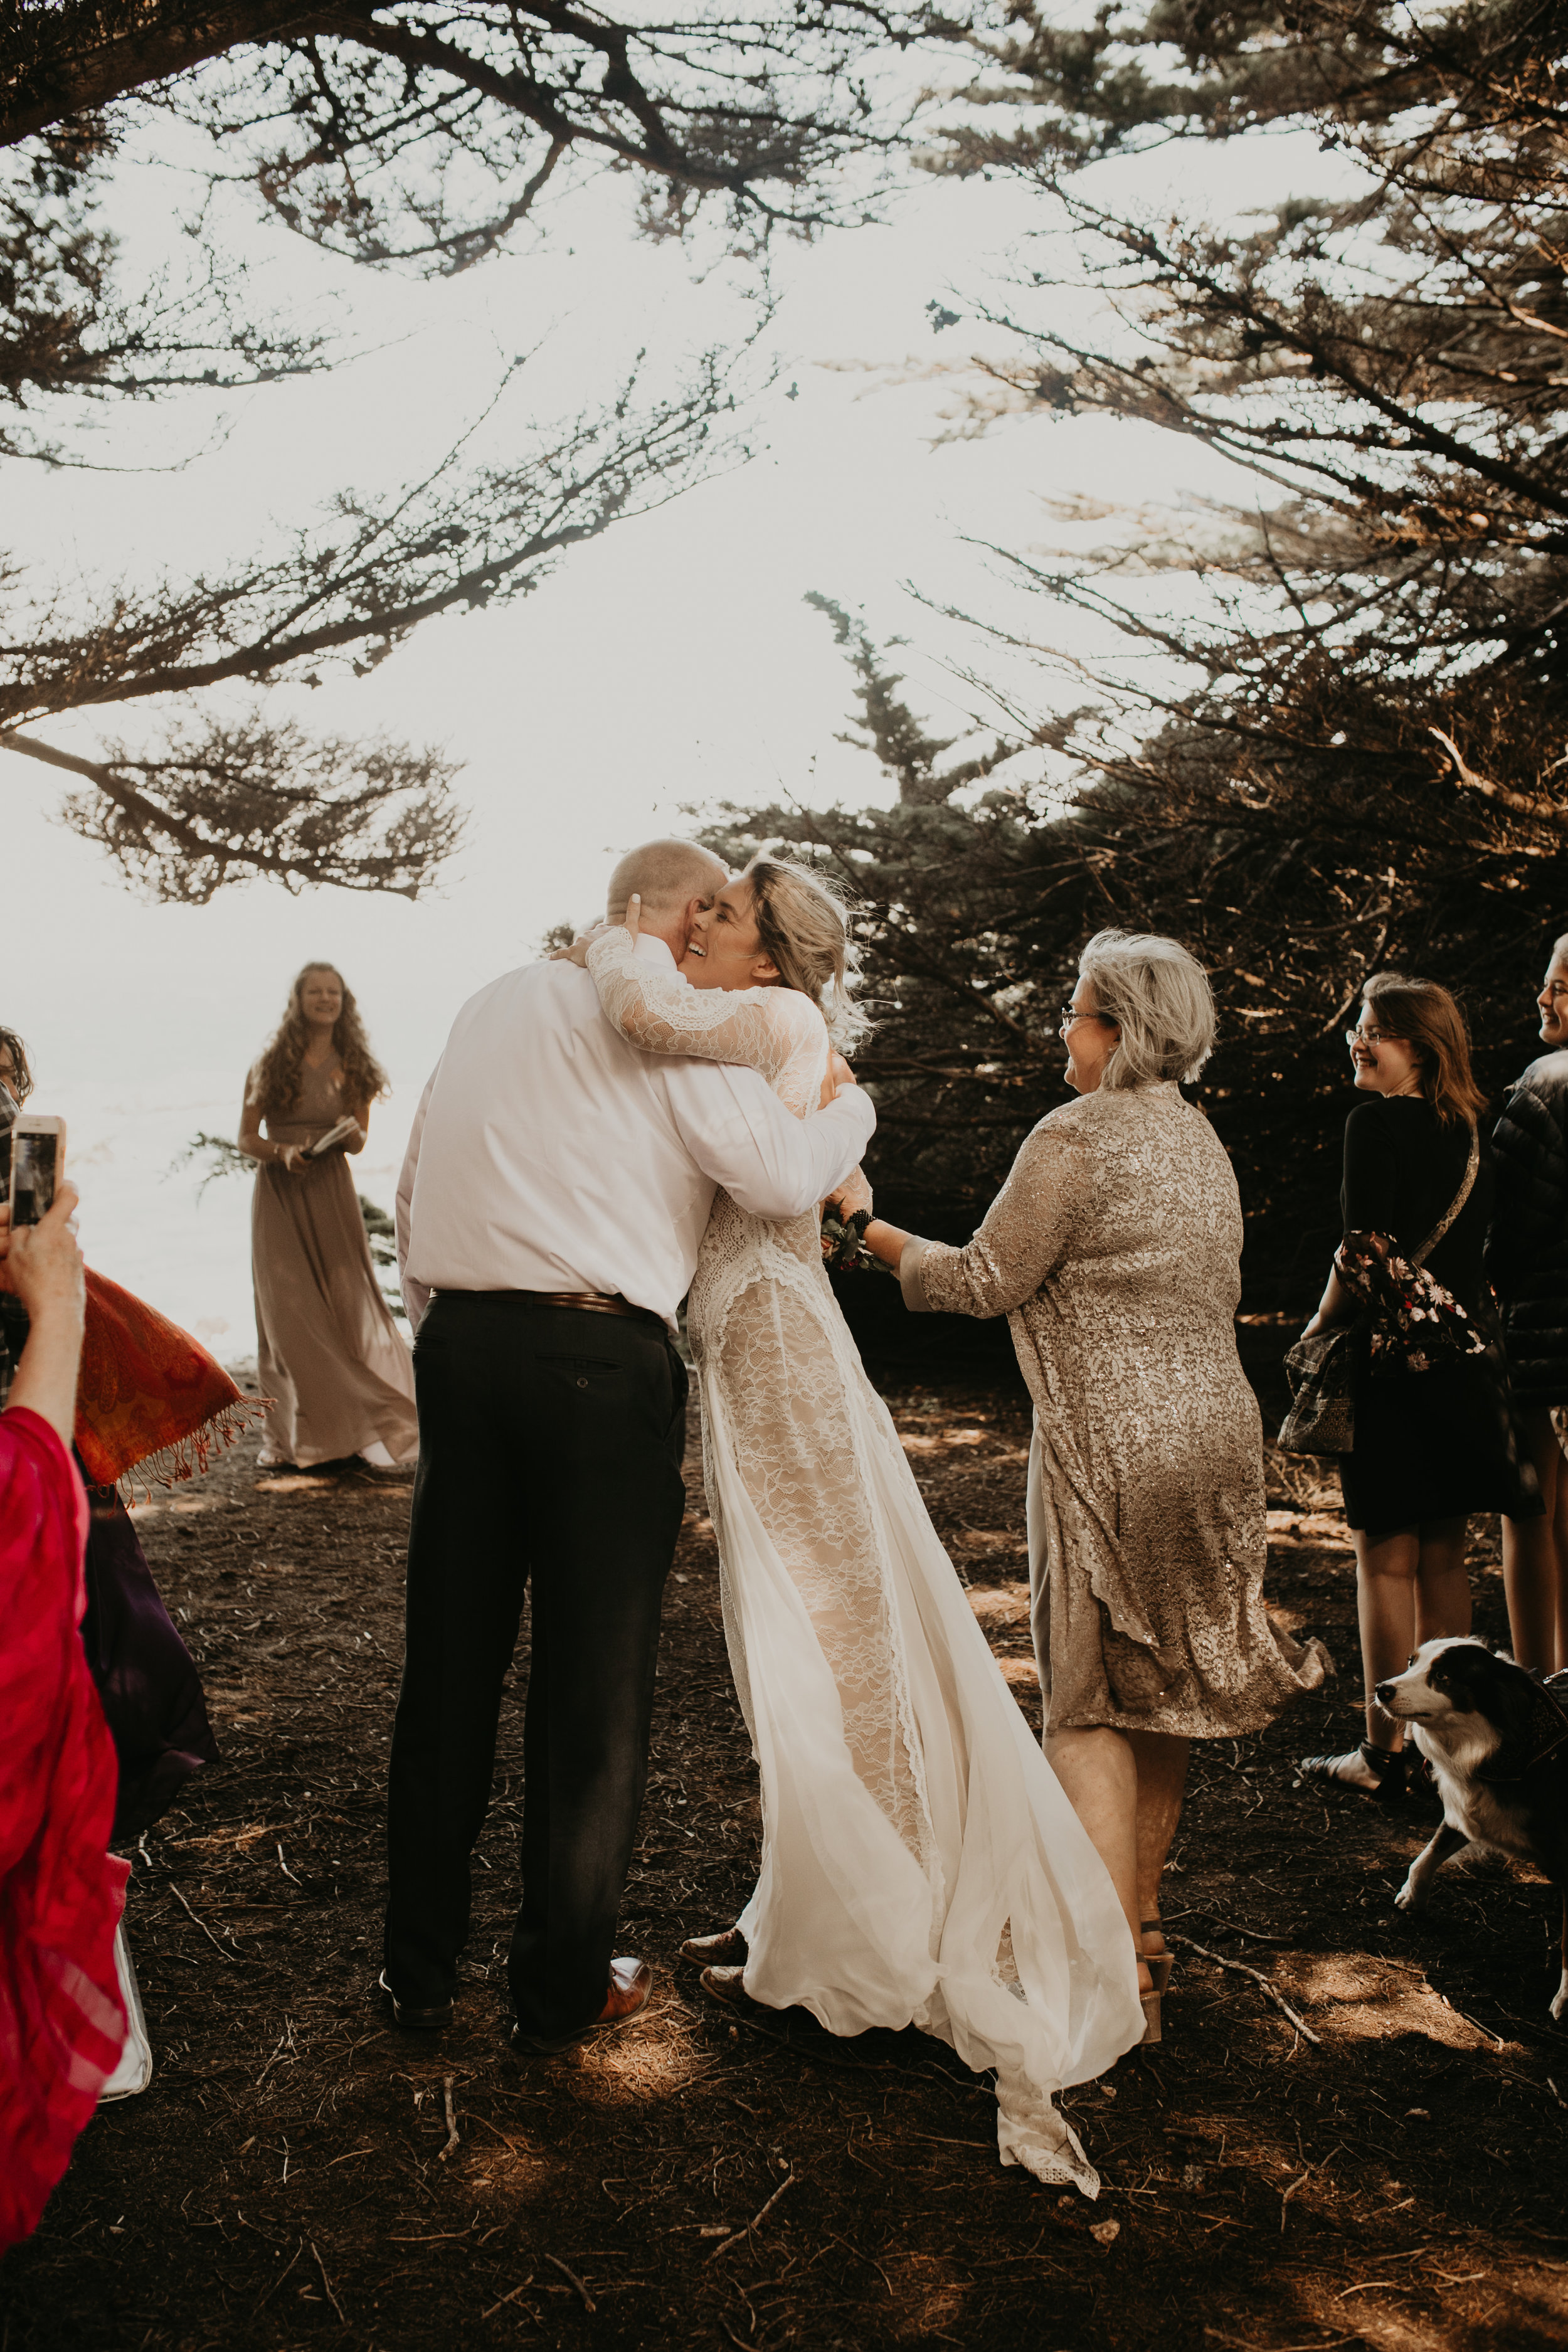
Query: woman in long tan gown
[1114, 1247]
[327, 1351]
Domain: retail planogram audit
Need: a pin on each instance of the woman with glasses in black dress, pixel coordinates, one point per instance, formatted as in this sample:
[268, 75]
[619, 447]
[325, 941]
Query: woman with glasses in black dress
[1432, 1437]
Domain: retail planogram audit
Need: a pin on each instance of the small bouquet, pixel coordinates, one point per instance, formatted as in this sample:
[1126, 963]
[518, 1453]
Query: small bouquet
[844, 1247]
[1416, 1324]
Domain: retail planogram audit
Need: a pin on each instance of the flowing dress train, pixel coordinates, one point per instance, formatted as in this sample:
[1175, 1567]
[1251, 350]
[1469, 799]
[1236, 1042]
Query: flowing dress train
[920, 1864]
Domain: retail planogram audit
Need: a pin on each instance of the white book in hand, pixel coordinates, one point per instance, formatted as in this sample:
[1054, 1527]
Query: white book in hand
[339, 1134]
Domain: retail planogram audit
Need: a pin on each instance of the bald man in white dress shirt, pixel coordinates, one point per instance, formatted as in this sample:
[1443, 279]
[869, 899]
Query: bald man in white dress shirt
[549, 1213]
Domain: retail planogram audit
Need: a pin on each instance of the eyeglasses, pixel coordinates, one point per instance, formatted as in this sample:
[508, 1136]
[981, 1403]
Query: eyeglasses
[1374, 1037]
[1071, 1012]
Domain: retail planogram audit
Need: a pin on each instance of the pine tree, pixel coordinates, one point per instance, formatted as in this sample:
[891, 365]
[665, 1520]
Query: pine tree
[402, 138]
[1360, 759]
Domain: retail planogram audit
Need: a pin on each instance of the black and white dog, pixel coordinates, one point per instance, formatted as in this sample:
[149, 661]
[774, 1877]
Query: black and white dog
[1496, 1741]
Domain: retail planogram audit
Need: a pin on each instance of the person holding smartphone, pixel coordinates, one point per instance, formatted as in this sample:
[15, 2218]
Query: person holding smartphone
[63, 2019]
[328, 1352]
[145, 1391]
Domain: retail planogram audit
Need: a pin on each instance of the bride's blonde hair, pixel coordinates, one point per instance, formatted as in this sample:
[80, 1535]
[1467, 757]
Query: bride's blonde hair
[803, 927]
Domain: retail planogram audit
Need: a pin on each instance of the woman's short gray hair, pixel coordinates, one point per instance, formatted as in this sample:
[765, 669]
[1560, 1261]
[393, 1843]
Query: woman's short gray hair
[1159, 997]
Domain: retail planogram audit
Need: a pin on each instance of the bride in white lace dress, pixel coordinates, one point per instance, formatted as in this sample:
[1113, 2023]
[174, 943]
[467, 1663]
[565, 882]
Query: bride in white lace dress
[920, 1860]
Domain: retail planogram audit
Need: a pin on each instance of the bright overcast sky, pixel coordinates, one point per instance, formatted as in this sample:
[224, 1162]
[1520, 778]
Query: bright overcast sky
[671, 661]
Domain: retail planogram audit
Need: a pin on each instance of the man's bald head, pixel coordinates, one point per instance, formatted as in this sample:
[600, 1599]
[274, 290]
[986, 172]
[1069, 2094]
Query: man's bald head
[667, 876]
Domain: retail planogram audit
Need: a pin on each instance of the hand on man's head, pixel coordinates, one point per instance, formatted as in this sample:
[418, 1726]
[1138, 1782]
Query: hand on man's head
[676, 880]
[578, 952]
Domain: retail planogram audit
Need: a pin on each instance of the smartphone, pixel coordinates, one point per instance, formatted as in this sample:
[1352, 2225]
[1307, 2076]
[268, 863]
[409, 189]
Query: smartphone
[38, 1166]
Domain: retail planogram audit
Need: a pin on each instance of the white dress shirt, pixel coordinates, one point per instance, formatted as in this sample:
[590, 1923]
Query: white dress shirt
[548, 1154]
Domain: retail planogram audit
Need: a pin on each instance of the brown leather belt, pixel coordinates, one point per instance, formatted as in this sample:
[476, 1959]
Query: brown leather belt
[595, 1302]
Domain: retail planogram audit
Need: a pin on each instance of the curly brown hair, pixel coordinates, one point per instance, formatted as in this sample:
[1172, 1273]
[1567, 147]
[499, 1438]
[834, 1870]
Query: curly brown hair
[273, 1084]
[10, 1042]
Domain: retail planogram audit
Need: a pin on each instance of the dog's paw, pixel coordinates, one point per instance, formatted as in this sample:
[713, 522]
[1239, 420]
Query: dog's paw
[1560, 2006]
[1411, 1895]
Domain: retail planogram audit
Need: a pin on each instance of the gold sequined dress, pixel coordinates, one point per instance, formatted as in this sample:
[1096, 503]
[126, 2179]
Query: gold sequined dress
[1114, 1249]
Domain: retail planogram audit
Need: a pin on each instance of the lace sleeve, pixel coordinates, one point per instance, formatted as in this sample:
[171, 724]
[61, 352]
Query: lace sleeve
[1045, 1205]
[763, 1029]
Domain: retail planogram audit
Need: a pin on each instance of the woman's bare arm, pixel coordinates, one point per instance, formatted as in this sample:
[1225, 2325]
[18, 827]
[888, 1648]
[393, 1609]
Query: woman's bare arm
[886, 1242]
[42, 1267]
[258, 1146]
[1336, 1305]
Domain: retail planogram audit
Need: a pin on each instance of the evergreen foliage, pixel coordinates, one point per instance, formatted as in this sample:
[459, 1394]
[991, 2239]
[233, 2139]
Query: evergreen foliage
[1358, 758]
[403, 138]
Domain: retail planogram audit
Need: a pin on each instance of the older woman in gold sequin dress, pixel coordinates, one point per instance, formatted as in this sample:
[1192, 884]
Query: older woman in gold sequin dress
[328, 1352]
[1114, 1248]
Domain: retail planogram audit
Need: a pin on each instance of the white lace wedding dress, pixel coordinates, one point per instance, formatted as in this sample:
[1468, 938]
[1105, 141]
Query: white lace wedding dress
[920, 1864]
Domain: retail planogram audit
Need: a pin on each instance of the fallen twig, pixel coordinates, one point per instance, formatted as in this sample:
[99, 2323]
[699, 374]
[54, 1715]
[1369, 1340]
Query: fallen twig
[1270, 1990]
[1253, 1934]
[588, 2302]
[280, 2279]
[282, 2045]
[859, 2257]
[233, 1957]
[1289, 2193]
[452, 2139]
[1474, 2023]
[761, 2214]
[1245, 2343]
[509, 2298]
[475, 2117]
[327, 2283]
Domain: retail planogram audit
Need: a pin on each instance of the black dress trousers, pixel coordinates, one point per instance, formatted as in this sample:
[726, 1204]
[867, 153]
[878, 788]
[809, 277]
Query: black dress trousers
[551, 1443]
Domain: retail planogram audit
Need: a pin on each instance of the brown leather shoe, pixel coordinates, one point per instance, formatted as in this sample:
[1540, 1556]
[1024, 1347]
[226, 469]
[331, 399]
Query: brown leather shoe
[726, 1984]
[631, 1982]
[728, 1948]
[414, 2017]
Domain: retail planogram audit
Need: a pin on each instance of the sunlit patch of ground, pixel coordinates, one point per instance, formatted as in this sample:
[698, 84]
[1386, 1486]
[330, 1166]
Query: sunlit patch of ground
[707, 2177]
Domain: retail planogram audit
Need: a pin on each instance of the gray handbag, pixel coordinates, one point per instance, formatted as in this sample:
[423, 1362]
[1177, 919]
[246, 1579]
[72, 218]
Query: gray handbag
[1321, 1367]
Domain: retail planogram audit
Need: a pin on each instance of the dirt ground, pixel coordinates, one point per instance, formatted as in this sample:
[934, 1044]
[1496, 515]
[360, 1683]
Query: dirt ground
[1390, 2173]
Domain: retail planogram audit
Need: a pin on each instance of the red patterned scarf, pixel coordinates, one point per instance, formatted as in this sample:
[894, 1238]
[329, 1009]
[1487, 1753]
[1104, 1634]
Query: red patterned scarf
[150, 1399]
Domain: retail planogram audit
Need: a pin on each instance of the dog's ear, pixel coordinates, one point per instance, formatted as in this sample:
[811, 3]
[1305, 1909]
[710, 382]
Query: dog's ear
[1455, 1672]
[1510, 1699]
